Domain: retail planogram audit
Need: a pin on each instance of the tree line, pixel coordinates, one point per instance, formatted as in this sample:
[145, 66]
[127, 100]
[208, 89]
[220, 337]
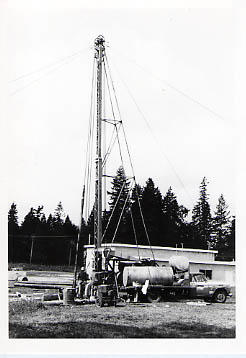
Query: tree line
[51, 240]
[140, 216]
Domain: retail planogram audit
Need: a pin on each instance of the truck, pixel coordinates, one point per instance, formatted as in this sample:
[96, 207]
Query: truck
[156, 283]
[208, 289]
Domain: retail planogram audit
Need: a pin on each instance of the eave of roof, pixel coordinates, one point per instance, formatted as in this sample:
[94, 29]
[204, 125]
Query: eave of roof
[155, 248]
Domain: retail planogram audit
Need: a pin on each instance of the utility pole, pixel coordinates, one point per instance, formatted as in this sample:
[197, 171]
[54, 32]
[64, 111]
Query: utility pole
[78, 240]
[99, 55]
[31, 252]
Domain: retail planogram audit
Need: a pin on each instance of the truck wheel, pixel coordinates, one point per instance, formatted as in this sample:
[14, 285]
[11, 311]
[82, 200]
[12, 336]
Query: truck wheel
[154, 297]
[99, 302]
[220, 296]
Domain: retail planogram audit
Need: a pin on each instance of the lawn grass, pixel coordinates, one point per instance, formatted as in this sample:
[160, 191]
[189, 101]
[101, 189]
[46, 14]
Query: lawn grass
[164, 320]
[24, 307]
[107, 330]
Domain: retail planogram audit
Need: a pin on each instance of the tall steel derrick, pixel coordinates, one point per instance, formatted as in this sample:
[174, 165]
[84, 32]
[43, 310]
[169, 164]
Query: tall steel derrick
[99, 55]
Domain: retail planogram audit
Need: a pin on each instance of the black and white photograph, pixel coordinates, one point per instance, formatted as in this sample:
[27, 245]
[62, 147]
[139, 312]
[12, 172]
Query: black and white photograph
[121, 172]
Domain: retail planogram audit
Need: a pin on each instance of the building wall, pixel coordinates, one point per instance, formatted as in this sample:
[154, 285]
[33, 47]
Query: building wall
[220, 271]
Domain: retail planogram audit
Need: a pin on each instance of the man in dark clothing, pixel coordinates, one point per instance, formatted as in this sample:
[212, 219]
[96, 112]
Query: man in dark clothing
[82, 280]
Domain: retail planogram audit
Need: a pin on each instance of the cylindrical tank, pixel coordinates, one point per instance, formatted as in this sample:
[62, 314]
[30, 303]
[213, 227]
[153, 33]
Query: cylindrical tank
[68, 296]
[155, 275]
[179, 263]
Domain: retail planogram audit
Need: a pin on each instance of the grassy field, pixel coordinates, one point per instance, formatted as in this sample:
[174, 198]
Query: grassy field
[161, 320]
[172, 319]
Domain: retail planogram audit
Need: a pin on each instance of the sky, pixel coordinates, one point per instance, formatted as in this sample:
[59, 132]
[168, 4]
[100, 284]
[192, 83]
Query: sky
[174, 75]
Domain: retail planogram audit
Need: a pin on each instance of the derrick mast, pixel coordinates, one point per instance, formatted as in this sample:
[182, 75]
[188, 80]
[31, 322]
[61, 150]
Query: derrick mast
[99, 55]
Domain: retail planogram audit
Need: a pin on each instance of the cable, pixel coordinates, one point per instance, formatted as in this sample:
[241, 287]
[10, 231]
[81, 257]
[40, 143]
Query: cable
[114, 207]
[47, 66]
[118, 139]
[110, 147]
[118, 224]
[41, 77]
[117, 133]
[135, 234]
[127, 146]
[88, 166]
[161, 147]
[112, 107]
[145, 228]
[142, 217]
[116, 100]
[175, 88]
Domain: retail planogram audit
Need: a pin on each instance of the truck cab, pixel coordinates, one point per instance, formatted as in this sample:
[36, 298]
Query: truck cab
[208, 289]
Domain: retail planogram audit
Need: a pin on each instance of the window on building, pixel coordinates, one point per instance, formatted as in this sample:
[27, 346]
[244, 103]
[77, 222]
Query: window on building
[207, 273]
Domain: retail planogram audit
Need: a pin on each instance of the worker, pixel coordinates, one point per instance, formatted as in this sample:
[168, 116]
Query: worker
[82, 280]
[89, 284]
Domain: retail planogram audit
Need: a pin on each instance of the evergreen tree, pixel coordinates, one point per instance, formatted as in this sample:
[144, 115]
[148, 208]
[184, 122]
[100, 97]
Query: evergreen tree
[49, 224]
[59, 213]
[58, 220]
[72, 231]
[43, 226]
[34, 226]
[221, 227]
[34, 222]
[119, 191]
[69, 228]
[13, 226]
[13, 230]
[174, 220]
[59, 245]
[118, 207]
[231, 240]
[137, 193]
[151, 204]
[30, 223]
[201, 219]
[136, 233]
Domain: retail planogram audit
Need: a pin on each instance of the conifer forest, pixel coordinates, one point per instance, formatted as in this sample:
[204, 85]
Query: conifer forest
[52, 240]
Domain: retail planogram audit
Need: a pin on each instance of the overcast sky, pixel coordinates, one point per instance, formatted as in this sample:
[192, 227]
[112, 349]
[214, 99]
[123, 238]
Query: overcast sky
[177, 64]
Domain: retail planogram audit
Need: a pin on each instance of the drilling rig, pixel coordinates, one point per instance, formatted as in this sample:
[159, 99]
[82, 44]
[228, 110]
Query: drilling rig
[102, 286]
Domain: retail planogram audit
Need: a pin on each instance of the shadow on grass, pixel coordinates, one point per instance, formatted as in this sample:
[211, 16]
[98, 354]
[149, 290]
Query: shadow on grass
[100, 330]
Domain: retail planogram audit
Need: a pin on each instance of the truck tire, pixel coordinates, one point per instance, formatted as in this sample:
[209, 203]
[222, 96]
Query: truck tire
[219, 296]
[154, 296]
[99, 302]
